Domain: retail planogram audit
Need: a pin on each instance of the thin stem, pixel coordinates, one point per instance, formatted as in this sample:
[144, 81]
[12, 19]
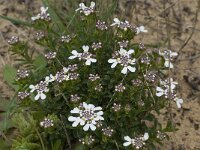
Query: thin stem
[41, 141]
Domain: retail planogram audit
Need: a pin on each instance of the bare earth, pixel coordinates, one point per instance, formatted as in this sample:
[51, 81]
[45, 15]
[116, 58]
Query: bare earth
[173, 24]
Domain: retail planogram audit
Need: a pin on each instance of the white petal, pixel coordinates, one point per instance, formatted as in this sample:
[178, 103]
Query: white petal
[92, 5]
[43, 96]
[124, 70]
[94, 122]
[179, 102]
[168, 64]
[91, 106]
[114, 65]
[82, 6]
[93, 60]
[85, 105]
[127, 144]
[37, 97]
[159, 91]
[74, 52]
[75, 111]
[116, 20]
[32, 87]
[146, 136]
[113, 24]
[85, 48]
[127, 138]
[86, 127]
[65, 69]
[131, 51]
[78, 9]
[172, 86]
[142, 29]
[100, 113]
[47, 79]
[72, 119]
[43, 9]
[35, 18]
[92, 127]
[76, 122]
[98, 118]
[122, 51]
[174, 54]
[131, 69]
[88, 62]
[72, 57]
[112, 60]
[82, 122]
[98, 108]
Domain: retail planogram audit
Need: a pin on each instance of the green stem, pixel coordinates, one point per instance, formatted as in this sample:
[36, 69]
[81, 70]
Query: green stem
[41, 141]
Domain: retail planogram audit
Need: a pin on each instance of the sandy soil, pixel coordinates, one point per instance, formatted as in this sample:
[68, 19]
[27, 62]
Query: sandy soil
[174, 21]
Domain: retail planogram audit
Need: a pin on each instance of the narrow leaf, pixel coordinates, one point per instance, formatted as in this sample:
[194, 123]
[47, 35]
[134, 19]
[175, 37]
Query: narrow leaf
[9, 75]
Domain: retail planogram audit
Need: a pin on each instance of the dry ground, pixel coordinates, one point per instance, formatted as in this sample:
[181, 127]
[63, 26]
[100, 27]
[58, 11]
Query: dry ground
[173, 24]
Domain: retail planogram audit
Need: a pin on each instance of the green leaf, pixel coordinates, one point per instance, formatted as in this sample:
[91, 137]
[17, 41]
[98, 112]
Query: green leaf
[6, 107]
[16, 21]
[55, 18]
[79, 147]
[170, 127]
[56, 145]
[9, 75]
[40, 62]
[3, 145]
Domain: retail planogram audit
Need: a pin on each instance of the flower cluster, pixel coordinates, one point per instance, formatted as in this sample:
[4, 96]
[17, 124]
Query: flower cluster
[86, 55]
[168, 56]
[86, 10]
[167, 89]
[13, 40]
[137, 142]
[43, 15]
[87, 116]
[65, 74]
[46, 123]
[124, 58]
[101, 85]
[126, 25]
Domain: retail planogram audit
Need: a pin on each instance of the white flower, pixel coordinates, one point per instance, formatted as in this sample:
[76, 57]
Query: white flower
[65, 69]
[160, 91]
[138, 142]
[123, 58]
[179, 102]
[50, 78]
[169, 83]
[122, 25]
[88, 115]
[46, 123]
[116, 22]
[141, 29]
[75, 54]
[42, 15]
[167, 89]
[168, 56]
[86, 10]
[128, 140]
[41, 88]
[86, 55]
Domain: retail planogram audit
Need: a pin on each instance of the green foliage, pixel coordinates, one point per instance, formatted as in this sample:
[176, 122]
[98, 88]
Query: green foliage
[41, 117]
[9, 74]
[27, 137]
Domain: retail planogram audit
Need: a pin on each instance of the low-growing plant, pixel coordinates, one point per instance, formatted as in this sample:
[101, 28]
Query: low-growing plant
[92, 86]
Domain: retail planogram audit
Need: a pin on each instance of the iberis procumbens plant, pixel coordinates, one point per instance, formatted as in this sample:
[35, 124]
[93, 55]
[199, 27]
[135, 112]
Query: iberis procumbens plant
[92, 86]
